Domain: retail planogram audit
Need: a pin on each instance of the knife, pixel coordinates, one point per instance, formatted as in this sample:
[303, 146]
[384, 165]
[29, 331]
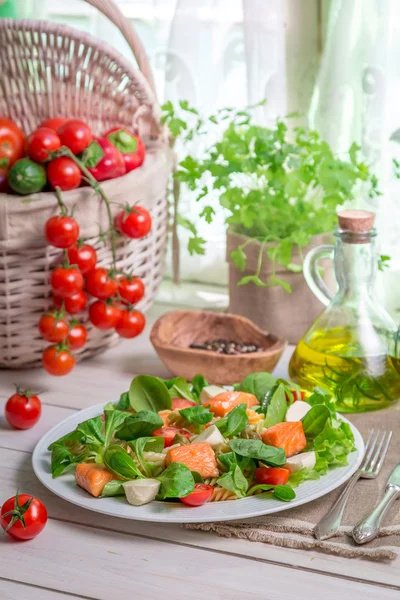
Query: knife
[369, 527]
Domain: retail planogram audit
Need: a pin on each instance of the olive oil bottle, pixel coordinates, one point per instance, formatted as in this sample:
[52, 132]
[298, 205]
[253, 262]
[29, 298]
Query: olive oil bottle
[352, 349]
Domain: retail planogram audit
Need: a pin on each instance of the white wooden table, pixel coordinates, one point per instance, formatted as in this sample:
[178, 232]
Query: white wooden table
[81, 554]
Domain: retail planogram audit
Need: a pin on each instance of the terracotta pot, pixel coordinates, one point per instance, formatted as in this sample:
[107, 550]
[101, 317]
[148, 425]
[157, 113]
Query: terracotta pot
[273, 309]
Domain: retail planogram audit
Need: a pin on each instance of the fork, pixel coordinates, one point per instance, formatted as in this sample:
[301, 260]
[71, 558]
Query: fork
[375, 451]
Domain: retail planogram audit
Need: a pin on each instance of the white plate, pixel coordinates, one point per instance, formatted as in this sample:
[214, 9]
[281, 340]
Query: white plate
[171, 512]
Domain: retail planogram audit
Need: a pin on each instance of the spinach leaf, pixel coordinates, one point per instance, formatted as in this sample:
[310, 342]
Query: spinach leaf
[234, 481]
[280, 492]
[149, 393]
[155, 444]
[267, 398]
[274, 457]
[277, 407]
[244, 462]
[198, 415]
[123, 402]
[321, 396]
[176, 482]
[141, 424]
[113, 488]
[314, 421]
[198, 383]
[113, 420]
[234, 422]
[258, 384]
[197, 477]
[87, 432]
[121, 463]
[62, 459]
[178, 387]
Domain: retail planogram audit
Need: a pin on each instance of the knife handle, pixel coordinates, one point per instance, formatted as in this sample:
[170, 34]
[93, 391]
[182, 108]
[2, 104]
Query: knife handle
[369, 527]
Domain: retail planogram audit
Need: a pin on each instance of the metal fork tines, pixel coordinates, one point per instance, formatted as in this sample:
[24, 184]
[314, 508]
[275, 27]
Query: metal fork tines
[375, 451]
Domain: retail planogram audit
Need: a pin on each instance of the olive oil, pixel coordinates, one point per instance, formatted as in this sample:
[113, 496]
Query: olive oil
[359, 379]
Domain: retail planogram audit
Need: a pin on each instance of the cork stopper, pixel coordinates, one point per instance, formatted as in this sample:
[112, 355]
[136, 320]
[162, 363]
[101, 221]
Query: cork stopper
[357, 221]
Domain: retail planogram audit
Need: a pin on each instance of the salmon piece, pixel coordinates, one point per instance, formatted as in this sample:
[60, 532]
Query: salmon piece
[224, 402]
[93, 477]
[289, 436]
[198, 457]
[164, 414]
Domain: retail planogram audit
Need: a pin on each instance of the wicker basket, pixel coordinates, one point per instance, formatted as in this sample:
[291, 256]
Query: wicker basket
[50, 70]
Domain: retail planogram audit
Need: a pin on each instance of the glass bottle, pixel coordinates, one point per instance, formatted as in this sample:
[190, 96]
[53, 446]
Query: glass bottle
[351, 350]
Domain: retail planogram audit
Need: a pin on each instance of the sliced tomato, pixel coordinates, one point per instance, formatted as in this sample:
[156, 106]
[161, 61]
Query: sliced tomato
[168, 433]
[201, 494]
[296, 395]
[179, 403]
[272, 475]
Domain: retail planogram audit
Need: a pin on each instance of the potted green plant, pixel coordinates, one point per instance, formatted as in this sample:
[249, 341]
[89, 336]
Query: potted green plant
[279, 188]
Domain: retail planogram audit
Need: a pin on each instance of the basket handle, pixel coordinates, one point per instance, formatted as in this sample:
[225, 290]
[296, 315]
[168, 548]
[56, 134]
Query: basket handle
[112, 12]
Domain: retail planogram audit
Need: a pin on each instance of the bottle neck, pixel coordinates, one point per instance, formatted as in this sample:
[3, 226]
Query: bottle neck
[355, 264]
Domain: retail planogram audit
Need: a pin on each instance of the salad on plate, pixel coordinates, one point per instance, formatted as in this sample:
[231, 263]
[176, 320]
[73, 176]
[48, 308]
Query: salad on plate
[194, 443]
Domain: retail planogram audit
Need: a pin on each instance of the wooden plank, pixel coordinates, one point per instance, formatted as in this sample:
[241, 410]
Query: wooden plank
[10, 590]
[17, 472]
[103, 565]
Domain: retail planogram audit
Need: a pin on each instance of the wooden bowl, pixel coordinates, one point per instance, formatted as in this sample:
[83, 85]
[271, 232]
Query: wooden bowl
[173, 333]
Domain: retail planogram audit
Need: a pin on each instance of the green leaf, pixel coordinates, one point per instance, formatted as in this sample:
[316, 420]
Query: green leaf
[315, 420]
[280, 492]
[239, 258]
[121, 463]
[276, 281]
[207, 213]
[199, 415]
[61, 460]
[257, 384]
[176, 482]
[274, 457]
[234, 422]
[184, 104]
[196, 245]
[149, 393]
[321, 396]
[113, 488]
[277, 407]
[198, 383]
[141, 424]
[197, 477]
[123, 402]
[140, 445]
[113, 420]
[178, 387]
[333, 445]
[234, 481]
[383, 262]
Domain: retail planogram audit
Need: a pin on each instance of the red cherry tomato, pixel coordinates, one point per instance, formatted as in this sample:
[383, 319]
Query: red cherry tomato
[23, 409]
[130, 324]
[72, 305]
[53, 123]
[42, 141]
[57, 361]
[201, 494]
[64, 173]
[104, 315]
[12, 141]
[53, 328]
[131, 289]
[83, 256]
[66, 281]
[75, 134]
[135, 223]
[108, 161]
[100, 285]
[131, 147]
[61, 232]
[296, 395]
[272, 475]
[23, 516]
[169, 433]
[179, 403]
[77, 336]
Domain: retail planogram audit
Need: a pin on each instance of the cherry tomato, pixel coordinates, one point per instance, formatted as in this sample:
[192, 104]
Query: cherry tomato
[77, 336]
[134, 223]
[53, 123]
[76, 135]
[169, 433]
[201, 494]
[23, 516]
[72, 305]
[131, 289]
[83, 256]
[61, 232]
[179, 403]
[131, 323]
[42, 141]
[66, 281]
[272, 475]
[296, 395]
[104, 315]
[64, 173]
[100, 285]
[57, 361]
[131, 147]
[12, 141]
[52, 328]
[23, 409]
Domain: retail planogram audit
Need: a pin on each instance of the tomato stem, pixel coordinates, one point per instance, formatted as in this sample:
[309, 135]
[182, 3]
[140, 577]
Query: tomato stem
[63, 208]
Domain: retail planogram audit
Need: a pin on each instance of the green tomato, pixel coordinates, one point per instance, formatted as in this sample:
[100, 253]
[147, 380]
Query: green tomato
[26, 177]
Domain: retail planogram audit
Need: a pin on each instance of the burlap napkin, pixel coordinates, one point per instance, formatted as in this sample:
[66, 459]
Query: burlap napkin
[294, 528]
